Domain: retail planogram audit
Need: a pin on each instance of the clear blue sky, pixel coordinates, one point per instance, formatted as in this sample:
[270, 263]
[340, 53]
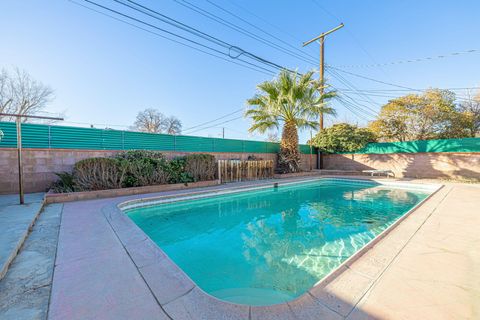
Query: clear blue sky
[104, 71]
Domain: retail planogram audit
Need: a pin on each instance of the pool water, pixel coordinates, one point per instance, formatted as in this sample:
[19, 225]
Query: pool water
[268, 246]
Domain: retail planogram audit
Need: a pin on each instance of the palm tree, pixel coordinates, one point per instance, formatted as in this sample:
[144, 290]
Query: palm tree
[292, 100]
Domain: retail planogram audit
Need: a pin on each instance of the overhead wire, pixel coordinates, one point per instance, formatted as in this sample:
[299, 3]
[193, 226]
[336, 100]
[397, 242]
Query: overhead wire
[260, 29]
[415, 60]
[239, 29]
[251, 67]
[219, 118]
[240, 50]
[215, 125]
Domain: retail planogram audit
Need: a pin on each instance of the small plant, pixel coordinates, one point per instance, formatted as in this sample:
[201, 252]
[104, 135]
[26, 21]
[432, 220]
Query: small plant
[64, 183]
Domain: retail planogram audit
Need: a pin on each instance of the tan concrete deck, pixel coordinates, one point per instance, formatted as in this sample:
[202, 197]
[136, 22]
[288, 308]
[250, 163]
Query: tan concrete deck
[428, 267]
[436, 274]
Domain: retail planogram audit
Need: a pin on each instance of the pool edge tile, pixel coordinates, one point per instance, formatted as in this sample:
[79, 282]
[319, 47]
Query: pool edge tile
[197, 305]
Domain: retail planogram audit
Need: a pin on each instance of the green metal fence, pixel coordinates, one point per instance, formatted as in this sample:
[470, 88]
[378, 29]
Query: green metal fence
[445, 145]
[63, 137]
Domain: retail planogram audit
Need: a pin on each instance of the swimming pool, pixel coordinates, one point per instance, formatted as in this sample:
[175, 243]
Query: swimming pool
[270, 245]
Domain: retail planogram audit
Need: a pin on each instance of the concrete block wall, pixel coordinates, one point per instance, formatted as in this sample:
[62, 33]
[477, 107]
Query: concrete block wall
[443, 165]
[40, 165]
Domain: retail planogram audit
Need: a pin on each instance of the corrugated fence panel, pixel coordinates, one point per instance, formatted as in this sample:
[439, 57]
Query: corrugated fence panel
[229, 145]
[194, 144]
[9, 131]
[75, 138]
[255, 146]
[63, 137]
[148, 141]
[35, 136]
[273, 147]
[444, 145]
[304, 148]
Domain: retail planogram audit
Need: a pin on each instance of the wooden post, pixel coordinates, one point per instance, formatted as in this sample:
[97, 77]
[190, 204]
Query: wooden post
[20, 164]
[219, 171]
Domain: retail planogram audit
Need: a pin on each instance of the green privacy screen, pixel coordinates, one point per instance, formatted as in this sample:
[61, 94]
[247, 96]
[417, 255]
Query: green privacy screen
[62, 137]
[445, 145]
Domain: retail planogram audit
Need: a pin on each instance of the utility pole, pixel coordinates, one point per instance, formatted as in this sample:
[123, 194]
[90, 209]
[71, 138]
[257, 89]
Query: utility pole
[321, 41]
[18, 120]
[223, 132]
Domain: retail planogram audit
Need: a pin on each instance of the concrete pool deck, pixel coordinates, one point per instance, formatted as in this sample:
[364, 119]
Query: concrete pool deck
[428, 267]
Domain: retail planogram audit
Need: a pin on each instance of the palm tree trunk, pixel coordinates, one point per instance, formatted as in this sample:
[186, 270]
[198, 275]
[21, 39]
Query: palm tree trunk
[289, 157]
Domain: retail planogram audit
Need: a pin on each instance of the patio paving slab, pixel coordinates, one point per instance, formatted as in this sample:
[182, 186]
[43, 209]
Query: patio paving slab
[25, 289]
[94, 277]
[437, 274]
[15, 223]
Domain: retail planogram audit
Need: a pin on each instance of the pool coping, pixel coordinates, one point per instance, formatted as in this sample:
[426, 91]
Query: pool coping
[180, 297]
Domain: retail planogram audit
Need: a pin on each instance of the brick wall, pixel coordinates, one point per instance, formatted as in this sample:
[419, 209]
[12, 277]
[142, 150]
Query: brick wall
[40, 165]
[412, 165]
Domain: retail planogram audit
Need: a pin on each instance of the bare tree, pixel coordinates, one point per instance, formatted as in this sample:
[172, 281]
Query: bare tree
[20, 93]
[172, 125]
[149, 120]
[152, 120]
[5, 95]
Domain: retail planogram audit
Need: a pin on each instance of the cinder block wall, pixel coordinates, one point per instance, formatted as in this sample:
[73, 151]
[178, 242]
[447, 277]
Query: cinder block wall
[412, 165]
[40, 165]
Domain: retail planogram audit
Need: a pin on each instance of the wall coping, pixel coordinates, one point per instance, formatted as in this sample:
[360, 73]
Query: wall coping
[51, 197]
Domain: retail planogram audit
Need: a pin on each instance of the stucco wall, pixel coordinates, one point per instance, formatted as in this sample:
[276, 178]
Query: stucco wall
[40, 165]
[412, 165]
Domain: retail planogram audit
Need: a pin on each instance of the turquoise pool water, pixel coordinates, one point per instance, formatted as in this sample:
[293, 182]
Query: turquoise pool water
[269, 246]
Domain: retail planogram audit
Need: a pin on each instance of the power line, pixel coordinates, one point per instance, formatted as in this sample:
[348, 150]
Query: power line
[270, 73]
[355, 39]
[424, 59]
[371, 79]
[404, 90]
[350, 85]
[284, 32]
[260, 29]
[215, 125]
[222, 117]
[237, 49]
[239, 29]
[185, 27]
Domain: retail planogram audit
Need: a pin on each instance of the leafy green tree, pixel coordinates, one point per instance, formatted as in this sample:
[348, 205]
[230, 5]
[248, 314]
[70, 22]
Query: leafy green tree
[293, 101]
[432, 115]
[343, 137]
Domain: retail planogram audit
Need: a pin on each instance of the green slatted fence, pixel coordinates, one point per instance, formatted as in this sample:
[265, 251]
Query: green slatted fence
[444, 145]
[64, 137]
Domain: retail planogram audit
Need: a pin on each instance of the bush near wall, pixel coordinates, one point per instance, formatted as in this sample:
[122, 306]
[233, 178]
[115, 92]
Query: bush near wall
[135, 168]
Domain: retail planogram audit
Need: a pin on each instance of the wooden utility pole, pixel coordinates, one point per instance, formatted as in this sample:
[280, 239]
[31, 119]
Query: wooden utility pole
[18, 120]
[321, 41]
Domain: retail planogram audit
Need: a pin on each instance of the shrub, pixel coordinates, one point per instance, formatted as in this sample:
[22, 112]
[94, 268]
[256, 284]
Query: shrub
[98, 174]
[343, 137]
[64, 183]
[135, 169]
[201, 167]
[139, 155]
[176, 171]
[143, 168]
